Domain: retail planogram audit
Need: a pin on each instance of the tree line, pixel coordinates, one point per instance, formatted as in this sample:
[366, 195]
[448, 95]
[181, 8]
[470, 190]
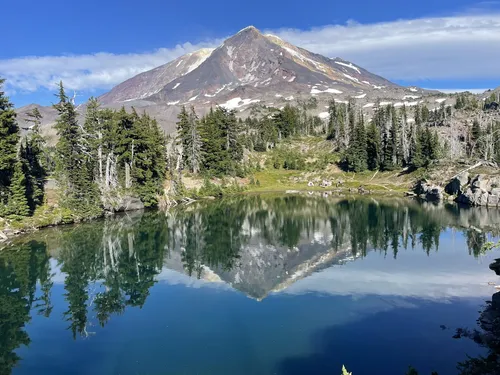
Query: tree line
[108, 155]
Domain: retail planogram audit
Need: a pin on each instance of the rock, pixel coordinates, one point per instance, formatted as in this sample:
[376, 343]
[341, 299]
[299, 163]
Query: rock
[428, 192]
[435, 194]
[485, 183]
[421, 188]
[493, 200]
[483, 198]
[122, 204]
[467, 197]
[495, 191]
[495, 266]
[456, 185]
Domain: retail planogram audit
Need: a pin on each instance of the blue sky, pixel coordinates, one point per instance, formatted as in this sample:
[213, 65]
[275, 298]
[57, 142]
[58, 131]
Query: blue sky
[94, 45]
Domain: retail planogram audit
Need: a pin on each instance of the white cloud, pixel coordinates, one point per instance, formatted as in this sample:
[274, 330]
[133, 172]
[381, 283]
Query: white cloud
[85, 72]
[447, 48]
[461, 47]
[418, 283]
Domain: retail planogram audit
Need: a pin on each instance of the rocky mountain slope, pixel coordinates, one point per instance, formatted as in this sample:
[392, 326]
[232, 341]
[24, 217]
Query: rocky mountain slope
[250, 71]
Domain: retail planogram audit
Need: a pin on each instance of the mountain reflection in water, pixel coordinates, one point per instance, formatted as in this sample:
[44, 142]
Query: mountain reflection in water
[257, 245]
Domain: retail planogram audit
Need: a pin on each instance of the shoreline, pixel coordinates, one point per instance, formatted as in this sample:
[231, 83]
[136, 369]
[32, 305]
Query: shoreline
[8, 234]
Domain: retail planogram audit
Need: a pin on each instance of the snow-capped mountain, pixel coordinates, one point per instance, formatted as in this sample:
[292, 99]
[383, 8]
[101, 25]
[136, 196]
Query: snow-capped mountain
[248, 68]
[149, 83]
[252, 70]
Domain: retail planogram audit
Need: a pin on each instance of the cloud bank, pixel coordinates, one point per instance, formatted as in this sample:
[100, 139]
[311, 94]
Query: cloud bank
[446, 48]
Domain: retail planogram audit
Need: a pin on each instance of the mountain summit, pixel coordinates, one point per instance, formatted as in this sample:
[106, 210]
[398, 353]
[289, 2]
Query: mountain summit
[247, 68]
[251, 70]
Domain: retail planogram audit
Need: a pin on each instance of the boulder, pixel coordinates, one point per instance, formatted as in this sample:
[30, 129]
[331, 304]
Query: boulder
[482, 182]
[479, 182]
[495, 191]
[435, 194]
[483, 198]
[493, 200]
[468, 197]
[456, 185]
[428, 192]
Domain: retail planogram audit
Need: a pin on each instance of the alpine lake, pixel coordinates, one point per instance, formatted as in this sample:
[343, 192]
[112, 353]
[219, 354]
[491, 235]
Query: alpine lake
[257, 285]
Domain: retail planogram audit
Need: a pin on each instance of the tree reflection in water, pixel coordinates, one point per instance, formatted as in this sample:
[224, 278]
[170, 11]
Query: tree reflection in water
[111, 265]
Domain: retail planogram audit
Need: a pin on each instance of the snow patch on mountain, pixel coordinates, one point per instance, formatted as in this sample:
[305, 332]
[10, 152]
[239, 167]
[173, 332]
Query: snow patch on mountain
[348, 66]
[351, 78]
[360, 96]
[314, 90]
[238, 102]
[176, 85]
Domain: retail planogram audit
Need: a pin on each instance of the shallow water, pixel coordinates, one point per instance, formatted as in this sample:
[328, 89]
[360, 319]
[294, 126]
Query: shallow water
[255, 285]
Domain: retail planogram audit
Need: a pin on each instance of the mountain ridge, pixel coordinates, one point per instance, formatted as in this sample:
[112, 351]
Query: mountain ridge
[251, 70]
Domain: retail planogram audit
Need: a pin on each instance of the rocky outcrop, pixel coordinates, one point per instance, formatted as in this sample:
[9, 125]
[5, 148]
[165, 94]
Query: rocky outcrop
[429, 192]
[457, 184]
[482, 191]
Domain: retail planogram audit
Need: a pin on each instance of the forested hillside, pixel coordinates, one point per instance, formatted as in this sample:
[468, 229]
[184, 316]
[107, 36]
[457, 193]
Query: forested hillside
[116, 160]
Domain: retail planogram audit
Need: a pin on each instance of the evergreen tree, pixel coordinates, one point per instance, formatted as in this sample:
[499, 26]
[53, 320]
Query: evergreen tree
[357, 152]
[475, 139]
[373, 146]
[418, 159]
[9, 138]
[189, 139]
[149, 164]
[18, 201]
[74, 173]
[35, 160]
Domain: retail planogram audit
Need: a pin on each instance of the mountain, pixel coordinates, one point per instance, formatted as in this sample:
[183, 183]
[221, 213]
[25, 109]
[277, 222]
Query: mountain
[252, 70]
[248, 72]
[255, 66]
[149, 83]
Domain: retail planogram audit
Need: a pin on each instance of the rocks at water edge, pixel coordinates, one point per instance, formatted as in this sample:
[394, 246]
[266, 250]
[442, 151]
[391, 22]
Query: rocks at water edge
[481, 191]
[429, 192]
[457, 184]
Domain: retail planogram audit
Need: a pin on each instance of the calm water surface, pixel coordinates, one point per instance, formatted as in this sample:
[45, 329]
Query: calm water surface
[257, 285]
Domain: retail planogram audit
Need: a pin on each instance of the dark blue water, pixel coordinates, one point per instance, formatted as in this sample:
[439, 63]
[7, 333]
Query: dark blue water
[261, 285]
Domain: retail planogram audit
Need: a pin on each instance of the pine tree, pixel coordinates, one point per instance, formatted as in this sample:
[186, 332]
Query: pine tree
[475, 139]
[418, 159]
[18, 202]
[9, 138]
[189, 139]
[149, 160]
[373, 146]
[74, 174]
[388, 151]
[332, 122]
[356, 155]
[35, 160]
